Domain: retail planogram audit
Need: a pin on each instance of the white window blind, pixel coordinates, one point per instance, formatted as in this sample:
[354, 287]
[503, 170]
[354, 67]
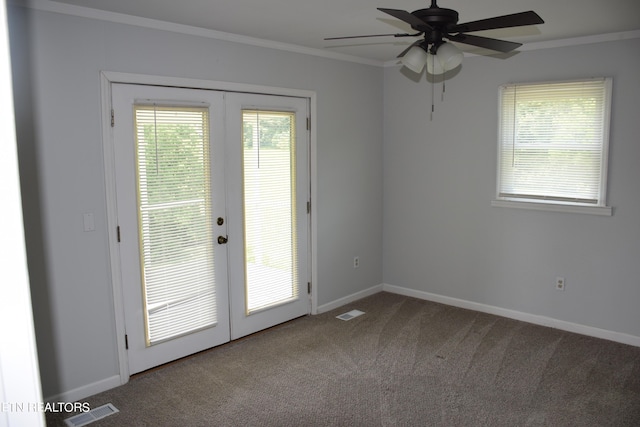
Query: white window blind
[175, 230]
[553, 142]
[269, 208]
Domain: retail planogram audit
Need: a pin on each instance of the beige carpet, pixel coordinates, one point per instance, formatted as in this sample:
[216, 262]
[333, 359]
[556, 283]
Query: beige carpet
[406, 362]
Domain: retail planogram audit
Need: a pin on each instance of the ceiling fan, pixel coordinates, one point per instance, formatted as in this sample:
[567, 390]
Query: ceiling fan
[436, 24]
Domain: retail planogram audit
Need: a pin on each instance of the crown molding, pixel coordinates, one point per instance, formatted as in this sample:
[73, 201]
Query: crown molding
[576, 41]
[87, 12]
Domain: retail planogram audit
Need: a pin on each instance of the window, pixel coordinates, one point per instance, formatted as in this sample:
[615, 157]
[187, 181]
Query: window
[552, 145]
[174, 213]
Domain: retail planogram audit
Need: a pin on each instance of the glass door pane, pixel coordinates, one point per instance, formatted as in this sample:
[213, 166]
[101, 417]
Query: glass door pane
[175, 220]
[269, 197]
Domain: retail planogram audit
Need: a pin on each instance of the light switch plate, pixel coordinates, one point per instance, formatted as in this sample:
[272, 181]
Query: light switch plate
[88, 222]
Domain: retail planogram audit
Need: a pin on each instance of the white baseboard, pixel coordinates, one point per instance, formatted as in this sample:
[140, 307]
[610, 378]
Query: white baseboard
[517, 315]
[85, 391]
[349, 298]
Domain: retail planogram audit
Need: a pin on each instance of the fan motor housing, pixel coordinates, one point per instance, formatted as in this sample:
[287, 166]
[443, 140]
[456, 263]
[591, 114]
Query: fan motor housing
[437, 17]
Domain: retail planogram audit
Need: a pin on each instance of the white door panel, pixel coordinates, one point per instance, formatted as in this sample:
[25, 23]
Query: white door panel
[268, 219]
[157, 252]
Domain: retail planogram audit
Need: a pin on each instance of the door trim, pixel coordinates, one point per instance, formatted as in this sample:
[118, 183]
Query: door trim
[107, 78]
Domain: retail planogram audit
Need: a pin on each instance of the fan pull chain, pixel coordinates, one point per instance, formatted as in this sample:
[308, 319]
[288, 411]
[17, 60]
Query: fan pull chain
[259, 123]
[513, 131]
[155, 133]
[433, 108]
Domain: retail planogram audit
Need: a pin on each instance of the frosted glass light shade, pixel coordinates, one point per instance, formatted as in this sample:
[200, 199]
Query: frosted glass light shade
[449, 55]
[433, 65]
[415, 59]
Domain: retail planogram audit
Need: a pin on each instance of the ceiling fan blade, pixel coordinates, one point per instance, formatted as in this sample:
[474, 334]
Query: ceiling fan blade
[373, 35]
[404, 52]
[414, 21]
[505, 21]
[493, 44]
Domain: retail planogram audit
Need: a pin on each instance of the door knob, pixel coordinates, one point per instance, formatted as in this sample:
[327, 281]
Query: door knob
[222, 240]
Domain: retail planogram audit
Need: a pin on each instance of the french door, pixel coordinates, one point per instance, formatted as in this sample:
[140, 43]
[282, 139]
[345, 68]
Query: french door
[211, 191]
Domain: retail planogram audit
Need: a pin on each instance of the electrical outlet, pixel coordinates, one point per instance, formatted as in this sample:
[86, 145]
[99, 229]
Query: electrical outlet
[356, 262]
[560, 283]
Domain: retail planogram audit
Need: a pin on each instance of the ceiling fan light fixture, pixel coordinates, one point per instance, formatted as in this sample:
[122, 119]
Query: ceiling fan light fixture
[449, 56]
[415, 59]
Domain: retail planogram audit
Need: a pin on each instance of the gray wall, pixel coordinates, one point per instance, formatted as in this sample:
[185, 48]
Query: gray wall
[441, 235]
[57, 59]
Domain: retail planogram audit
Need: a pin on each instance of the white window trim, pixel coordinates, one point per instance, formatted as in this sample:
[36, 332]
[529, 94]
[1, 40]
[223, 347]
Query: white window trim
[603, 209]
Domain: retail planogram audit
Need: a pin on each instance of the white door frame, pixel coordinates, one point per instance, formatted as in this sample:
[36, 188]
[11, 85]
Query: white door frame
[109, 77]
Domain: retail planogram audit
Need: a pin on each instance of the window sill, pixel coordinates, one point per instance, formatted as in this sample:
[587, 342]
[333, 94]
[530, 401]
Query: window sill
[554, 207]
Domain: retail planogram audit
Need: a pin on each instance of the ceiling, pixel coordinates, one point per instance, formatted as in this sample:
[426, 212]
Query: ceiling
[307, 23]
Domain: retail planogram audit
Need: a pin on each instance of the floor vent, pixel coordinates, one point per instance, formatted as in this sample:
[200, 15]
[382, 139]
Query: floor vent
[91, 416]
[350, 315]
